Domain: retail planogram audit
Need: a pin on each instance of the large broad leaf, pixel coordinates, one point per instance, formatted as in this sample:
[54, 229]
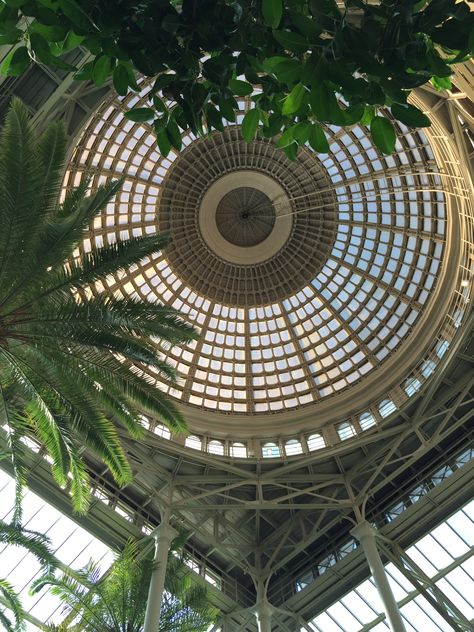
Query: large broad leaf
[410, 115]
[16, 62]
[77, 15]
[140, 115]
[294, 100]
[120, 79]
[272, 11]
[240, 88]
[250, 124]
[324, 104]
[383, 134]
[101, 70]
[291, 41]
[317, 140]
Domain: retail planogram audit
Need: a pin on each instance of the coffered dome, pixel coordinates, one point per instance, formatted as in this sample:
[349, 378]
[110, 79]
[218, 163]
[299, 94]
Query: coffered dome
[308, 279]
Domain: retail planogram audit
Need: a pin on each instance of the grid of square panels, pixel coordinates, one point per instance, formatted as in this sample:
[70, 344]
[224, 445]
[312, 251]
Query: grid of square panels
[72, 544]
[445, 555]
[359, 308]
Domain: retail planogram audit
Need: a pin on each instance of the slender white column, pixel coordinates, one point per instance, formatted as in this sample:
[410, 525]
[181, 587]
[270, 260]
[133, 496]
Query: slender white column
[164, 534]
[366, 534]
[263, 613]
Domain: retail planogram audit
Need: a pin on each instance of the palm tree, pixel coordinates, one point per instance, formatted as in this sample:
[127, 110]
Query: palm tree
[35, 543]
[68, 358]
[117, 601]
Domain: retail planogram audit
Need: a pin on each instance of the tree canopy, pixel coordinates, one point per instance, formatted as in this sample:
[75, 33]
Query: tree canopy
[117, 600]
[302, 63]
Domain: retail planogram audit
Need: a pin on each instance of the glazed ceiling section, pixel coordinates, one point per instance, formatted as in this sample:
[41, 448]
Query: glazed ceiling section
[345, 321]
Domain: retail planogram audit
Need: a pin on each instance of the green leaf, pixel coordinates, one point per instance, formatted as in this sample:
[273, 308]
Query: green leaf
[272, 11]
[120, 80]
[40, 47]
[301, 131]
[227, 108]
[158, 104]
[441, 83]
[288, 70]
[294, 100]
[368, 115]
[291, 41]
[164, 143]
[287, 138]
[101, 70]
[77, 15]
[383, 134]
[71, 41]
[16, 62]
[132, 82]
[271, 63]
[240, 88]
[353, 114]
[324, 104]
[140, 115]
[317, 140]
[174, 135]
[291, 150]
[410, 115]
[250, 124]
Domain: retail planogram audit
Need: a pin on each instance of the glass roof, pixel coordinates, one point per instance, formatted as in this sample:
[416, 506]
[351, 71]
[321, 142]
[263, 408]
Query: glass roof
[72, 545]
[446, 555]
[330, 328]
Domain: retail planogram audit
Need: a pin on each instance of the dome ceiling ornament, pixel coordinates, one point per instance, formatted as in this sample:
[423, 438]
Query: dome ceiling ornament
[307, 278]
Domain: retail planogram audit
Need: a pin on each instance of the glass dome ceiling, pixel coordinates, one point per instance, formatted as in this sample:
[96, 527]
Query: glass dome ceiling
[304, 277]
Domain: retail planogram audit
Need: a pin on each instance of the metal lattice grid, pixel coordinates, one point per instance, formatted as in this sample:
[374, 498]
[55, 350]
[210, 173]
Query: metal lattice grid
[370, 295]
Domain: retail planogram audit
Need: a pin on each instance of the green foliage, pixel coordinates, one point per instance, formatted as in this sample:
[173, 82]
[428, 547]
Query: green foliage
[202, 55]
[117, 600]
[38, 545]
[65, 353]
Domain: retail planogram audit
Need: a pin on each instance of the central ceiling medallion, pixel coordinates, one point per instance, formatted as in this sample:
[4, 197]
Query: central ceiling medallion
[245, 216]
[249, 226]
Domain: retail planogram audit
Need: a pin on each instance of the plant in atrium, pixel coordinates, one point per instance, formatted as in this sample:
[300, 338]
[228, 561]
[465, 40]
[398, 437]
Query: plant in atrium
[117, 600]
[301, 63]
[66, 352]
[35, 543]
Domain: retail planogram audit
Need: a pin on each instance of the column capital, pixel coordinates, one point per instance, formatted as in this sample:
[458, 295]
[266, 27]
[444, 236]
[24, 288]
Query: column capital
[164, 532]
[363, 530]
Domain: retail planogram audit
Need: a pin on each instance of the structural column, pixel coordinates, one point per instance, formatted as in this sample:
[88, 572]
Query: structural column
[164, 534]
[263, 613]
[366, 534]
[263, 609]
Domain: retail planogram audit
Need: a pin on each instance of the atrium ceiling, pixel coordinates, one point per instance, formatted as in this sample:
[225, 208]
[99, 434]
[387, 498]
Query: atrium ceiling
[334, 374]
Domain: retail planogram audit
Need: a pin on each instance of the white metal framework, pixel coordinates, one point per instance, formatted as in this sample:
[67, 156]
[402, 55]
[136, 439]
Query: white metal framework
[272, 493]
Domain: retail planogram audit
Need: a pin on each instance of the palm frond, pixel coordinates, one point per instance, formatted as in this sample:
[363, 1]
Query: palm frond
[73, 364]
[20, 179]
[117, 600]
[12, 601]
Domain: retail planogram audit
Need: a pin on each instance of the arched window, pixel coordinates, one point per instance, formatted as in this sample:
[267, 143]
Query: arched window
[412, 385]
[270, 450]
[238, 450]
[293, 446]
[386, 407]
[315, 442]
[366, 420]
[162, 431]
[193, 442]
[345, 431]
[427, 368]
[215, 447]
[441, 348]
